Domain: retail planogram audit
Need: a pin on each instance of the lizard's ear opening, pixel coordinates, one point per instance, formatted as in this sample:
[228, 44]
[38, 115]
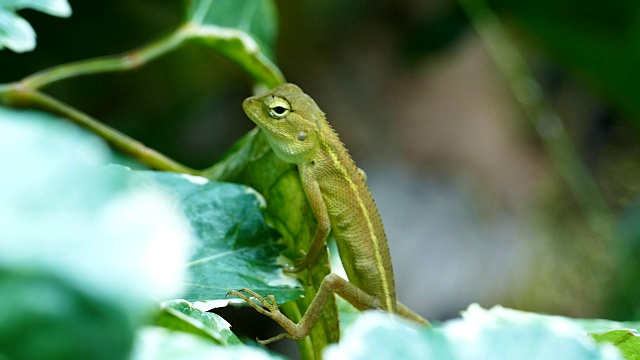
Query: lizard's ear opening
[277, 107]
[302, 135]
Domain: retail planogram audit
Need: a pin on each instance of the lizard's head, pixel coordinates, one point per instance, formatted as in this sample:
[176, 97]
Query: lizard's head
[290, 118]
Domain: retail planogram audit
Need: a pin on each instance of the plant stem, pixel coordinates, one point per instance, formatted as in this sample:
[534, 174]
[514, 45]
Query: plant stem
[26, 93]
[116, 139]
[546, 122]
[126, 61]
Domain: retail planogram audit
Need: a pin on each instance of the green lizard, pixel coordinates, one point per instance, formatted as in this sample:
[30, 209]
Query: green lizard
[339, 198]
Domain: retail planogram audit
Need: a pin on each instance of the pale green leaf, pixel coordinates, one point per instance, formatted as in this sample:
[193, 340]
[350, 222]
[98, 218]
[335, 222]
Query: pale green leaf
[378, 335]
[59, 8]
[15, 32]
[61, 212]
[497, 333]
[156, 343]
[82, 252]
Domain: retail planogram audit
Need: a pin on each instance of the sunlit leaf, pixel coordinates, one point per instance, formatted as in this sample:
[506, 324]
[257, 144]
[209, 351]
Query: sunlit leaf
[156, 343]
[82, 252]
[497, 333]
[15, 32]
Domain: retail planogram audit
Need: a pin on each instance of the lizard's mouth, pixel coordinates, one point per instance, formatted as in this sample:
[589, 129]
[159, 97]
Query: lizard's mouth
[249, 107]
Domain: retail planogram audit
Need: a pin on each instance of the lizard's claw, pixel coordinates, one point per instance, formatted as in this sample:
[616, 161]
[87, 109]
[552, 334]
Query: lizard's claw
[270, 306]
[270, 309]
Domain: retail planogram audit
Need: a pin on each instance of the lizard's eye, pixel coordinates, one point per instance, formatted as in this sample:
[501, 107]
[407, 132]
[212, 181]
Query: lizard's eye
[278, 108]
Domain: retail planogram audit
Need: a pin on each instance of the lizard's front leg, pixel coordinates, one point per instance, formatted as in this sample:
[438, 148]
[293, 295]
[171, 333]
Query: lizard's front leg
[312, 190]
[332, 283]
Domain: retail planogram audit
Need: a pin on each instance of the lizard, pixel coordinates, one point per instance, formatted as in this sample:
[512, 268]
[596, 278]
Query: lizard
[336, 189]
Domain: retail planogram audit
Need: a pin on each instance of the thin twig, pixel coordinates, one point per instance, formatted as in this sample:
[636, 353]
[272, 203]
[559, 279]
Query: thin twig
[123, 62]
[116, 139]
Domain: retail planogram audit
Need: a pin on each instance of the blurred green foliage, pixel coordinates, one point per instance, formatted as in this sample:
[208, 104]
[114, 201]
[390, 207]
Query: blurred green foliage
[186, 105]
[183, 104]
[596, 42]
[40, 312]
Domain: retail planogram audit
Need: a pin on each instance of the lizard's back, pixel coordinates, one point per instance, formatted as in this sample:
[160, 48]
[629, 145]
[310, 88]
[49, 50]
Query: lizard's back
[355, 220]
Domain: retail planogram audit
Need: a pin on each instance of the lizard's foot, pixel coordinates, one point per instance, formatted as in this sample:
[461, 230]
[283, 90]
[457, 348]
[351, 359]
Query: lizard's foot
[270, 309]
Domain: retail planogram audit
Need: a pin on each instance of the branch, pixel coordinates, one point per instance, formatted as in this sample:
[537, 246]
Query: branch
[20, 97]
[127, 61]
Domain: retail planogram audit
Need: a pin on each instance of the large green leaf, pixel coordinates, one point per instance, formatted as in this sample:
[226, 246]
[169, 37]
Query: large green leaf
[252, 162]
[497, 333]
[15, 32]
[243, 30]
[234, 248]
[82, 252]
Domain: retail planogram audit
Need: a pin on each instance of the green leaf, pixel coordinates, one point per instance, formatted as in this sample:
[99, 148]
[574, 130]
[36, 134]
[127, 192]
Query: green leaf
[234, 247]
[625, 340]
[506, 332]
[252, 162]
[15, 32]
[497, 333]
[156, 343]
[44, 317]
[243, 30]
[82, 252]
[378, 335]
[257, 18]
[63, 213]
[182, 316]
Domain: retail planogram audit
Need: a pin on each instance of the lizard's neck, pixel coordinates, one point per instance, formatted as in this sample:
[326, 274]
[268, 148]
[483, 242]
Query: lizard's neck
[331, 146]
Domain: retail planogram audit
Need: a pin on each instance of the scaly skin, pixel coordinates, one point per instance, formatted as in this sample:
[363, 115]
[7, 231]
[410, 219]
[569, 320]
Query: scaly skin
[340, 199]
